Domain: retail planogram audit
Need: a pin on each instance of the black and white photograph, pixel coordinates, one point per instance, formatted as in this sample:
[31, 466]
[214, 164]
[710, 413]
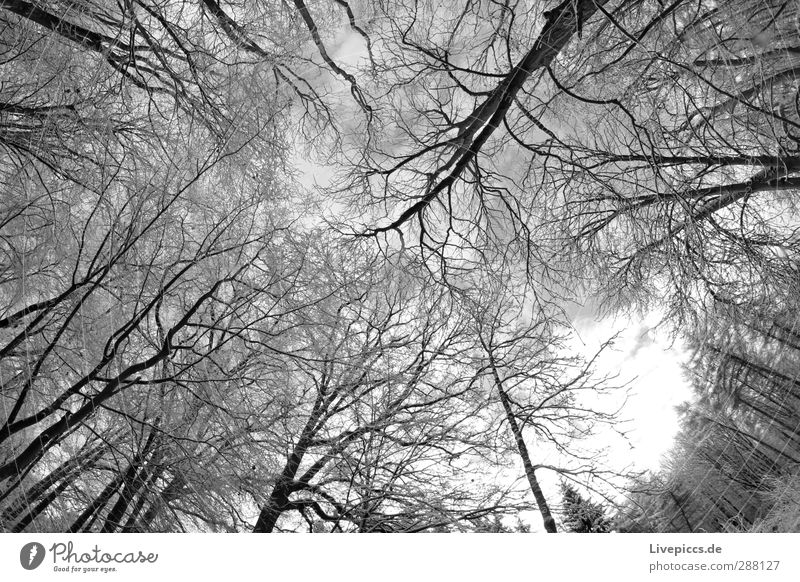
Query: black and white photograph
[398, 266]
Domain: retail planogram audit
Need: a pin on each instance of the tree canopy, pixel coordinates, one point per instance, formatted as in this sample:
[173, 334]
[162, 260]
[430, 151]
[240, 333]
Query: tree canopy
[281, 266]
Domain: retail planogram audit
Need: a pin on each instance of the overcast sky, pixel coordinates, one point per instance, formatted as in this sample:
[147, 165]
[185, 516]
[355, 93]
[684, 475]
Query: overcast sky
[652, 362]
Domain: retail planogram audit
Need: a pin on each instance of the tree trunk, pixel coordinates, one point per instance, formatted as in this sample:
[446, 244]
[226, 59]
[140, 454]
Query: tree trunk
[34, 512]
[530, 471]
[67, 471]
[145, 491]
[171, 492]
[97, 505]
[279, 498]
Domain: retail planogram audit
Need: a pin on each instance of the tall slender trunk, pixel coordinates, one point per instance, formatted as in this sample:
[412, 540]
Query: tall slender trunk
[67, 470]
[134, 477]
[90, 513]
[127, 492]
[170, 493]
[530, 471]
[145, 491]
[34, 512]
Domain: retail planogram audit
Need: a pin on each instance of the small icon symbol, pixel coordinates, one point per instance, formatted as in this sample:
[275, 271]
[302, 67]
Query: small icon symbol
[31, 555]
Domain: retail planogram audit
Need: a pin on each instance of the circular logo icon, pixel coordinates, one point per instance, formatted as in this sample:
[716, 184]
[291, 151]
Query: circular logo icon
[31, 555]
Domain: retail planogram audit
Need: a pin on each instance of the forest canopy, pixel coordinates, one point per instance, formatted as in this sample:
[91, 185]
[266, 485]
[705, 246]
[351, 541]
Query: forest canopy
[291, 266]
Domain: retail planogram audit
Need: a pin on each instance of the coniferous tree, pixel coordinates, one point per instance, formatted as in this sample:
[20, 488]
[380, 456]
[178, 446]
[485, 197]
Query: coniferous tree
[582, 515]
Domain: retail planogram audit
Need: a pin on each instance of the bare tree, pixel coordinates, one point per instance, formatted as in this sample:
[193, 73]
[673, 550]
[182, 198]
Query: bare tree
[548, 397]
[382, 409]
[638, 149]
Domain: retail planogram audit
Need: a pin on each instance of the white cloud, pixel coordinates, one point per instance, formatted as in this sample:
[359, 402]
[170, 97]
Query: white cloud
[646, 357]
